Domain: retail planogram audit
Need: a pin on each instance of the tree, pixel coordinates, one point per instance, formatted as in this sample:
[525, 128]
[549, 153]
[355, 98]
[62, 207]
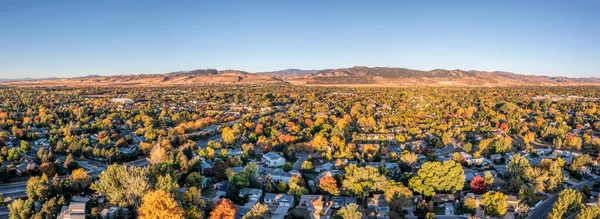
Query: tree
[228, 135]
[409, 158]
[519, 167]
[123, 186]
[159, 204]
[20, 209]
[360, 181]
[258, 211]
[568, 200]
[320, 143]
[70, 163]
[397, 195]
[224, 209]
[166, 183]
[328, 184]
[589, 213]
[349, 212]
[489, 179]
[193, 196]
[194, 179]
[158, 154]
[470, 205]
[81, 178]
[306, 166]
[287, 166]
[37, 188]
[478, 184]
[25, 147]
[527, 196]
[435, 176]
[495, 203]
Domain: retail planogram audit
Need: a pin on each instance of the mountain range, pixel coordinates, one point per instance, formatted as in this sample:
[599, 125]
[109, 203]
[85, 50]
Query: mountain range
[354, 76]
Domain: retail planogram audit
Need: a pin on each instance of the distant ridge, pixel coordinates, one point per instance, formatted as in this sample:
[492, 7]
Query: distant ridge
[354, 76]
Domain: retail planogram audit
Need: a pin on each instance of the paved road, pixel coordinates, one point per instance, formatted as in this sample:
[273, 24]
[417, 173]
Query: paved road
[298, 163]
[13, 190]
[138, 163]
[544, 209]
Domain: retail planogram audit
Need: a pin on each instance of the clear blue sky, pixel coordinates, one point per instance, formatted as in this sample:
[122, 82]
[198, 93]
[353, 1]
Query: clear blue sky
[76, 38]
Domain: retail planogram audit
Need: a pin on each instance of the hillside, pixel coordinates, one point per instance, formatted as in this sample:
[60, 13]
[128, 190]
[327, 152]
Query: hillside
[382, 76]
[354, 76]
[195, 77]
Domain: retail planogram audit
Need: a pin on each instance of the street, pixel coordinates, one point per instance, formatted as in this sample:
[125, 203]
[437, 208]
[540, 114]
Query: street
[544, 209]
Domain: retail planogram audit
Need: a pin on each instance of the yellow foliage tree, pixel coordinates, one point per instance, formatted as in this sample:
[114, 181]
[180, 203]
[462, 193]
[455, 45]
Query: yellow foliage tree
[159, 204]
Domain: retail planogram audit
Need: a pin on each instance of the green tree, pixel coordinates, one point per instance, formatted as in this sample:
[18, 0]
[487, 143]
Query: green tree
[166, 183]
[194, 179]
[287, 167]
[435, 176]
[360, 181]
[568, 201]
[123, 186]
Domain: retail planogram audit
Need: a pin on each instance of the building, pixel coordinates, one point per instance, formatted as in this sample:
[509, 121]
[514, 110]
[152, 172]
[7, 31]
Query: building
[75, 210]
[280, 175]
[122, 100]
[251, 194]
[339, 202]
[272, 159]
[279, 199]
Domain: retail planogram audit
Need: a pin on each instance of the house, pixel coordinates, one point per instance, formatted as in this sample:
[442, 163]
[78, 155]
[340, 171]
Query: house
[279, 199]
[251, 194]
[339, 202]
[325, 167]
[122, 100]
[513, 203]
[315, 204]
[379, 205]
[206, 166]
[443, 198]
[280, 175]
[75, 210]
[495, 157]
[272, 159]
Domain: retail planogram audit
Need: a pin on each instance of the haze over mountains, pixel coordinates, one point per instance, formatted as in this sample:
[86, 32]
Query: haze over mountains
[354, 76]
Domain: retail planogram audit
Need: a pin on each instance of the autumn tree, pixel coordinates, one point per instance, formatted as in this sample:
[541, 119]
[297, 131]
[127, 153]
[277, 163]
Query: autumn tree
[408, 158]
[320, 143]
[80, 178]
[158, 154]
[258, 211]
[397, 195]
[224, 209]
[328, 184]
[495, 203]
[349, 212]
[159, 204]
[228, 135]
[478, 184]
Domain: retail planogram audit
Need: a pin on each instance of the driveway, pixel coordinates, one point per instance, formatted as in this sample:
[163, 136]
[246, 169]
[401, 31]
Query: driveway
[298, 163]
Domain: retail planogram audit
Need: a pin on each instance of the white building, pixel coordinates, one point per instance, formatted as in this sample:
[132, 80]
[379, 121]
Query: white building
[272, 159]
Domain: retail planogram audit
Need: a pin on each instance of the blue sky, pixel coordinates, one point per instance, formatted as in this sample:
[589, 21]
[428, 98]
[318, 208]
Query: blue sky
[76, 38]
